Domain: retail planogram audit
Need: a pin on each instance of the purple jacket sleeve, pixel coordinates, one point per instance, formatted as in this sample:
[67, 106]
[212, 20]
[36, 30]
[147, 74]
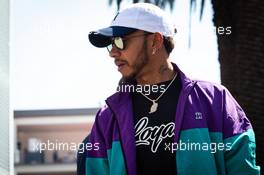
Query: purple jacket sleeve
[96, 159]
[240, 158]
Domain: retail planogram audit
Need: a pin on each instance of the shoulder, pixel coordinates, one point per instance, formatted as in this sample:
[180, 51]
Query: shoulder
[216, 95]
[210, 90]
[210, 86]
[104, 115]
[215, 89]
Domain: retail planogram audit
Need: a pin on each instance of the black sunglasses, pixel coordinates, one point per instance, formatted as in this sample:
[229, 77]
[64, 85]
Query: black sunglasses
[119, 42]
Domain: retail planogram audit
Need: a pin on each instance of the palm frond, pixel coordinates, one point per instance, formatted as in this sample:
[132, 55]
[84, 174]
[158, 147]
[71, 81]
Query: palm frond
[156, 2]
[202, 9]
[110, 2]
[163, 3]
[192, 6]
[171, 3]
[118, 2]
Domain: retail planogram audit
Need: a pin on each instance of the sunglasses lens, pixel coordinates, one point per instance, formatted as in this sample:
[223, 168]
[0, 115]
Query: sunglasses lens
[119, 43]
[109, 47]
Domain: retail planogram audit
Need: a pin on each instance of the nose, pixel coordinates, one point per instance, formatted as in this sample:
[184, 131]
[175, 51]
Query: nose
[114, 52]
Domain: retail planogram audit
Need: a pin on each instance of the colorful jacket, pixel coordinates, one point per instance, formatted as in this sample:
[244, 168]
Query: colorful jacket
[206, 114]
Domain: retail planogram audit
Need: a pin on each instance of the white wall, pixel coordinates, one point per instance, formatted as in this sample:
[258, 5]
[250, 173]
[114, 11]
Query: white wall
[4, 87]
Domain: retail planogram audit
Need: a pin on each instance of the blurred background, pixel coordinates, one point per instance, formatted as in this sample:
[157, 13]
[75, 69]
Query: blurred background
[53, 65]
[58, 80]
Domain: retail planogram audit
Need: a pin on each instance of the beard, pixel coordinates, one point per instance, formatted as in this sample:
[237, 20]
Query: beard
[141, 62]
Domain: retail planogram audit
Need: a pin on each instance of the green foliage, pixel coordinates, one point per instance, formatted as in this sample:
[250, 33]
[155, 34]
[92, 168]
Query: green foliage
[163, 3]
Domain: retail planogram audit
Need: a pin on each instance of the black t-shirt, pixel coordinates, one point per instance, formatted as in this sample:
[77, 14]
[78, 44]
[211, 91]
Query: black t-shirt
[153, 131]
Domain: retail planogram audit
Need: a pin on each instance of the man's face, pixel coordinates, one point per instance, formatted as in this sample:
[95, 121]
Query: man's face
[132, 60]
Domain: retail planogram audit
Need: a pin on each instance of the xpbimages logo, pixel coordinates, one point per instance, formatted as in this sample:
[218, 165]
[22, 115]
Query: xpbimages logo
[65, 146]
[153, 136]
[145, 89]
[197, 146]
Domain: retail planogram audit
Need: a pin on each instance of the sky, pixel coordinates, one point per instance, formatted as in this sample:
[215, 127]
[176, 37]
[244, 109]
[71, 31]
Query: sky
[53, 65]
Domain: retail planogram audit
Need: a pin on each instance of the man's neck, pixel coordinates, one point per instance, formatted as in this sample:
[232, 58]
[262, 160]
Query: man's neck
[159, 73]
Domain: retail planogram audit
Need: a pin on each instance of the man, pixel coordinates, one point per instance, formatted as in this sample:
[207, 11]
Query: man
[160, 121]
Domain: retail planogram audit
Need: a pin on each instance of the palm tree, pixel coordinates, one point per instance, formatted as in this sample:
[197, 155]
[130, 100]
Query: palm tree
[241, 55]
[241, 58]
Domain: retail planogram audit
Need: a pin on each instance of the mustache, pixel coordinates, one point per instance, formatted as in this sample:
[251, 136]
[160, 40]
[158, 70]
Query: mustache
[121, 61]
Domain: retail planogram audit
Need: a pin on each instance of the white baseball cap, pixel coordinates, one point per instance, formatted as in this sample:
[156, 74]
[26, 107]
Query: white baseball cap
[138, 16]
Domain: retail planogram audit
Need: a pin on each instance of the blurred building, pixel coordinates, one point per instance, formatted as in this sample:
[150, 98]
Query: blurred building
[47, 140]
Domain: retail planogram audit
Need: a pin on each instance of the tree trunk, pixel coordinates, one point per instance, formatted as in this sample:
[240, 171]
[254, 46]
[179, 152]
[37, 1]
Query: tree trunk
[241, 56]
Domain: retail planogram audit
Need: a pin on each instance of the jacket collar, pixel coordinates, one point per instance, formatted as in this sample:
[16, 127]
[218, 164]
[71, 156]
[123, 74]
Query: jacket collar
[121, 105]
[119, 100]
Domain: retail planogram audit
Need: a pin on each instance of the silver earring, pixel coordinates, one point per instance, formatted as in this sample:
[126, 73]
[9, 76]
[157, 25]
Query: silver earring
[153, 51]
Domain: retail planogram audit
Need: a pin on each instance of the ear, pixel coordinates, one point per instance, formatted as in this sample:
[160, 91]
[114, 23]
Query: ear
[157, 41]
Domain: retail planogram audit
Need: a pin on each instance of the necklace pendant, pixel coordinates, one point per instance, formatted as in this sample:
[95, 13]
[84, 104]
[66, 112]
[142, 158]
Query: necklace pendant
[153, 107]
